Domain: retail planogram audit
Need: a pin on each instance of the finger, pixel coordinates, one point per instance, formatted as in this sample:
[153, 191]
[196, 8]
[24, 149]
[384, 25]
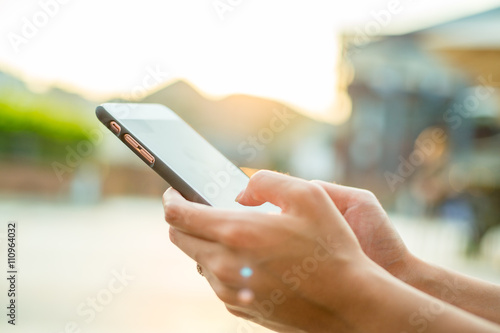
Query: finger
[216, 260]
[240, 311]
[265, 186]
[290, 193]
[344, 196]
[198, 249]
[187, 216]
[229, 227]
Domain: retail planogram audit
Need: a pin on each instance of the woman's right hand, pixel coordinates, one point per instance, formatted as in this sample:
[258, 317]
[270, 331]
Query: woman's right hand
[377, 236]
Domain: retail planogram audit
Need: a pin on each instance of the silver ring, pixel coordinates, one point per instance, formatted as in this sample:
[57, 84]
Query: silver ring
[199, 269]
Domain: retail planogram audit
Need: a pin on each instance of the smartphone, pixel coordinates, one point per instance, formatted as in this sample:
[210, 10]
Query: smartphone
[177, 153]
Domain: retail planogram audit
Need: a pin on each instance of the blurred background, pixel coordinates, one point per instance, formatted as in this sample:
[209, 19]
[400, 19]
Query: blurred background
[399, 97]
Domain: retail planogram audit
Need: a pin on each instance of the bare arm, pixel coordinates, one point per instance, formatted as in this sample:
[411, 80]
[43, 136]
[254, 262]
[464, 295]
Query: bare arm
[393, 306]
[381, 242]
[476, 296]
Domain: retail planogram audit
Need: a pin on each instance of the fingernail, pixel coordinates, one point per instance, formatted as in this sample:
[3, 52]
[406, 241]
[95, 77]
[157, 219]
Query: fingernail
[239, 196]
[168, 192]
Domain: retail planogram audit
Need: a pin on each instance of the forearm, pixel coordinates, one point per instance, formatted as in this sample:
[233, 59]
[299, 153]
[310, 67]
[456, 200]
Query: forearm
[470, 294]
[385, 304]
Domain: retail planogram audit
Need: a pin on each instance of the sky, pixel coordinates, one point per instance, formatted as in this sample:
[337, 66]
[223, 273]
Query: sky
[285, 50]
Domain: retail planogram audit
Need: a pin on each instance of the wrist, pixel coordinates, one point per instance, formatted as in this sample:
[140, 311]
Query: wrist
[359, 275]
[408, 269]
[366, 298]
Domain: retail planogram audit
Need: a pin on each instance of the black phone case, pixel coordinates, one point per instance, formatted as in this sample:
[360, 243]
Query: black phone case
[159, 166]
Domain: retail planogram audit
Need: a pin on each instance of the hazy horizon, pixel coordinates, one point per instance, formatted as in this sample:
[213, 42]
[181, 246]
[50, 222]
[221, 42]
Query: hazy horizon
[256, 48]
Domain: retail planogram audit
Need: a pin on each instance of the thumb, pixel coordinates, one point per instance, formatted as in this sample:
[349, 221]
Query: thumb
[276, 188]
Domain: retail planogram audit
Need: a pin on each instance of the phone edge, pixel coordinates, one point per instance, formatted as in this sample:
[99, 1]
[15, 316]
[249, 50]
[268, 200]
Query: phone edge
[159, 166]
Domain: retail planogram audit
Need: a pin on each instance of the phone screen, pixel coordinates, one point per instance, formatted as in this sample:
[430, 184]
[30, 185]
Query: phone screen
[187, 154]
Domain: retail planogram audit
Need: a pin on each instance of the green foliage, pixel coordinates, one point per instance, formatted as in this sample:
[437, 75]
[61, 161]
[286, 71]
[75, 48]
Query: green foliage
[38, 126]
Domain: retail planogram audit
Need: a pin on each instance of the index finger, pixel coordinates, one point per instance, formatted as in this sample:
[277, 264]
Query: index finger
[206, 222]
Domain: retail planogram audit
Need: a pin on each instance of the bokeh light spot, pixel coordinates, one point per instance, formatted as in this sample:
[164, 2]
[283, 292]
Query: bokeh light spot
[246, 272]
[246, 296]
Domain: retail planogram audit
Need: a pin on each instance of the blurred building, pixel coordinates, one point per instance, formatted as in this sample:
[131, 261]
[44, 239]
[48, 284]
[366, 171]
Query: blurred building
[424, 132]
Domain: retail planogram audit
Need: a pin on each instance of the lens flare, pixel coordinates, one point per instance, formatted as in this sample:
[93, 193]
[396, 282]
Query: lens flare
[246, 296]
[246, 272]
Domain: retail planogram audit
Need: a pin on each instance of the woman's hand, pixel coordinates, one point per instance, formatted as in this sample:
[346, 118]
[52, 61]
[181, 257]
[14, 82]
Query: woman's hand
[374, 231]
[283, 271]
[304, 269]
